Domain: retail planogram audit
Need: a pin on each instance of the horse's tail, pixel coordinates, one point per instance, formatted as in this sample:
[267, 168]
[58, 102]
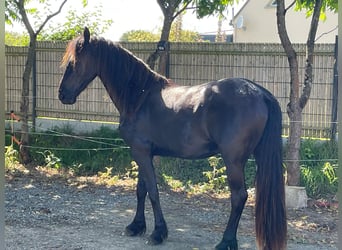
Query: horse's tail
[270, 210]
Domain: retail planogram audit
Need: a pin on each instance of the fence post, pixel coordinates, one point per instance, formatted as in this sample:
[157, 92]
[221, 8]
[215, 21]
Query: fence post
[34, 90]
[2, 123]
[334, 94]
[167, 69]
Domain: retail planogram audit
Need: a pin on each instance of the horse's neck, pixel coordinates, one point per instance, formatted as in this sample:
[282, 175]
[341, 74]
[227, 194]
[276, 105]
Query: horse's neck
[128, 93]
[126, 78]
[114, 92]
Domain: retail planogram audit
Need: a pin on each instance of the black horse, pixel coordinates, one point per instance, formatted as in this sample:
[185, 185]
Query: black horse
[234, 117]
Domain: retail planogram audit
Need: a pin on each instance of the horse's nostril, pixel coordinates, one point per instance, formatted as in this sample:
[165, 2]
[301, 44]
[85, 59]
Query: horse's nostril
[60, 96]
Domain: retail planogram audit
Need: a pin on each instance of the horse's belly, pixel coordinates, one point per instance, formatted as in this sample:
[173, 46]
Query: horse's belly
[188, 148]
[186, 154]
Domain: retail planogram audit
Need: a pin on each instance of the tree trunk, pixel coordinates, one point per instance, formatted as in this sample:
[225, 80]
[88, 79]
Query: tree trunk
[163, 60]
[25, 100]
[293, 109]
[297, 100]
[292, 154]
[169, 15]
[24, 104]
[158, 54]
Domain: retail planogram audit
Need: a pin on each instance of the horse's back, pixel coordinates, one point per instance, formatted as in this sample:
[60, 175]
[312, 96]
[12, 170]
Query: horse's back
[229, 91]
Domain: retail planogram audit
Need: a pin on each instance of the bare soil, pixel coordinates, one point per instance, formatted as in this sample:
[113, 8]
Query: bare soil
[47, 209]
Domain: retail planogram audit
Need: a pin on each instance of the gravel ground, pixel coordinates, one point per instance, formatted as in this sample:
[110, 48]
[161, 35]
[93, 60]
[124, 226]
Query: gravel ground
[49, 210]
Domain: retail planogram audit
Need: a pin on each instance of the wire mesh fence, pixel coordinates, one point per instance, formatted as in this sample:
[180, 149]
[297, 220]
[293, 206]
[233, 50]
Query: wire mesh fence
[189, 64]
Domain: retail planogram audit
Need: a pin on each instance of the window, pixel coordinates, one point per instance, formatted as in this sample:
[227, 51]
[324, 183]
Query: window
[272, 4]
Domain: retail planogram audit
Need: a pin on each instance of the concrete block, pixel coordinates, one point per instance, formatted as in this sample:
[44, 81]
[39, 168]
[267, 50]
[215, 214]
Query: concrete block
[295, 197]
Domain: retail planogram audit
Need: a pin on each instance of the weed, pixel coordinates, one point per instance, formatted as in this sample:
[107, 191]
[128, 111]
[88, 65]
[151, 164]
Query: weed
[318, 171]
[107, 173]
[107, 177]
[11, 156]
[217, 179]
[329, 171]
[132, 172]
[319, 182]
[51, 160]
[173, 183]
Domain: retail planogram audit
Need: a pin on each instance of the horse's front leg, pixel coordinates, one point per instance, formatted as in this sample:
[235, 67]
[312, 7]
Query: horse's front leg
[148, 184]
[138, 226]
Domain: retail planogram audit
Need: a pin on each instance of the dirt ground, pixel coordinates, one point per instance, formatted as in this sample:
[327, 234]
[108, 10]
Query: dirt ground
[50, 210]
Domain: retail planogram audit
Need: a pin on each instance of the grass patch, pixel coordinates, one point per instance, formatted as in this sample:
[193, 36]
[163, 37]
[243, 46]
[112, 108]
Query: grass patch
[103, 153]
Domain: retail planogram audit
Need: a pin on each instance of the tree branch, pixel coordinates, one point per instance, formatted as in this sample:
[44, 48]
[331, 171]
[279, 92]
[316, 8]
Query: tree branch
[21, 8]
[290, 6]
[181, 10]
[51, 16]
[310, 46]
[26, 21]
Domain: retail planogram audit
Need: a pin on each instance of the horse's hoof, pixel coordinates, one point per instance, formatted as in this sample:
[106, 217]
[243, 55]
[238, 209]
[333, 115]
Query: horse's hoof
[158, 236]
[135, 229]
[227, 245]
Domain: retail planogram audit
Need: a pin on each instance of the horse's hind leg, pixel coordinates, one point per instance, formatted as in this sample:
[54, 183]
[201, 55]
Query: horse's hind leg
[236, 182]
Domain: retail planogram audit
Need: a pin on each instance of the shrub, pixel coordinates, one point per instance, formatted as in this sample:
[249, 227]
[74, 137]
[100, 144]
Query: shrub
[319, 167]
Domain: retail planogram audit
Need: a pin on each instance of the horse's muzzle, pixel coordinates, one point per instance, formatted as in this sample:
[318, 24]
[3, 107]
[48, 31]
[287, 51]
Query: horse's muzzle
[65, 99]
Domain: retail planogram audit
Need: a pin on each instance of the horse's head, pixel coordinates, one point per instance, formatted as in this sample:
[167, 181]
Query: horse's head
[80, 69]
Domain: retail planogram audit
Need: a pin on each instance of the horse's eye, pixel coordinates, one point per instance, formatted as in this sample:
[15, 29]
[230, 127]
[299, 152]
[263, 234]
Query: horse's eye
[79, 47]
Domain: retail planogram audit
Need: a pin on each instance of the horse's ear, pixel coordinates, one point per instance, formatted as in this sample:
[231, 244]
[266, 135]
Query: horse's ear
[86, 35]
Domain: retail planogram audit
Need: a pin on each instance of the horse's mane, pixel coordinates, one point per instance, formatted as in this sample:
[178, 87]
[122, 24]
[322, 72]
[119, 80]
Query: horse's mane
[135, 75]
[70, 53]
[106, 46]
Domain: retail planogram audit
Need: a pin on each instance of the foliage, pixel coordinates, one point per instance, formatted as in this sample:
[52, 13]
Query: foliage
[75, 24]
[319, 167]
[309, 5]
[201, 7]
[208, 7]
[185, 36]
[217, 177]
[51, 160]
[107, 176]
[12, 13]
[21, 10]
[132, 171]
[15, 39]
[11, 156]
[139, 36]
[147, 36]
[320, 181]
[250, 172]
[312, 149]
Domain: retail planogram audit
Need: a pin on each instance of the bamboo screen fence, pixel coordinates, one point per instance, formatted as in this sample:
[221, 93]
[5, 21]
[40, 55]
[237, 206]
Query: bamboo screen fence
[189, 64]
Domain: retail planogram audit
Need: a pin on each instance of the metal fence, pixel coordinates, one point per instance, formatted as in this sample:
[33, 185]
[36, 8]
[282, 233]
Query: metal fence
[189, 64]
